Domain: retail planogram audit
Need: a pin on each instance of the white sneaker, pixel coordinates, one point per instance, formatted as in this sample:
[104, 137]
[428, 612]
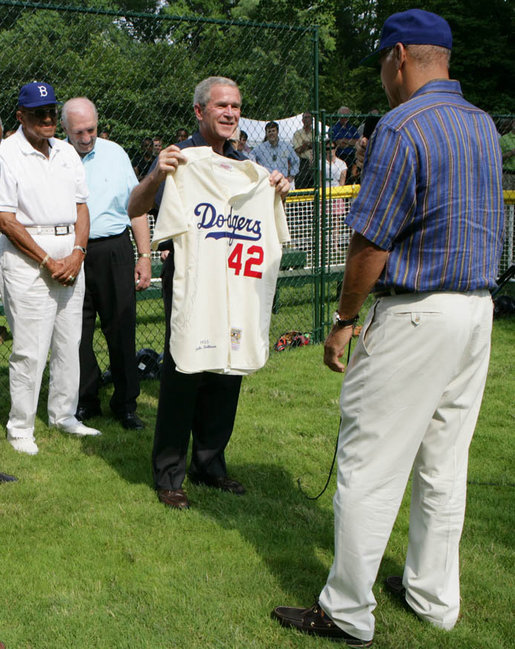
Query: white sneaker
[75, 427]
[24, 445]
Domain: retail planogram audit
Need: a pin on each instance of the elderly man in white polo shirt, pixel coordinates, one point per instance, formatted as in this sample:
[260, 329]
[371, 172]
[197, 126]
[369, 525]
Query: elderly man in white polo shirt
[44, 222]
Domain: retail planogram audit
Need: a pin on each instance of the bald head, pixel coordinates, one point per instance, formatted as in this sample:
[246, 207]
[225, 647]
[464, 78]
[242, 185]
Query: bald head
[79, 119]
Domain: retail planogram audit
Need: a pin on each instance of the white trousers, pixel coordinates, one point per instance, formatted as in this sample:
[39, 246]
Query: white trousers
[409, 402]
[43, 315]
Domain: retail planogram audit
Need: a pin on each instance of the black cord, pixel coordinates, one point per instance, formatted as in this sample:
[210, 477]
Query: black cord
[334, 454]
[299, 485]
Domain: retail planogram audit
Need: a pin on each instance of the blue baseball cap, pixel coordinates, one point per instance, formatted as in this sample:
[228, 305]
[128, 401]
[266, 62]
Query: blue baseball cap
[412, 27]
[36, 93]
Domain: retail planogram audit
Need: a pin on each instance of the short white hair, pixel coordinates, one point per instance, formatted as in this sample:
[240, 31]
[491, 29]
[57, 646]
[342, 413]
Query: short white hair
[73, 104]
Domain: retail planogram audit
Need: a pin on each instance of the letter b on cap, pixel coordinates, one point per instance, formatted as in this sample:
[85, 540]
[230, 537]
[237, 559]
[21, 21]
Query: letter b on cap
[43, 92]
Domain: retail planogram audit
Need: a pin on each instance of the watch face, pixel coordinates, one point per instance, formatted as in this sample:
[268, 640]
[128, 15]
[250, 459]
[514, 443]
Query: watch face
[336, 317]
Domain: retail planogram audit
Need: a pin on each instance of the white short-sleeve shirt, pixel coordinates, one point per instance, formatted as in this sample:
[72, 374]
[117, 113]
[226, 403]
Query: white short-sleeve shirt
[41, 190]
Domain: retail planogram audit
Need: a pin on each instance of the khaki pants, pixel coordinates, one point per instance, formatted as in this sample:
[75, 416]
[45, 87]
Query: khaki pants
[409, 402]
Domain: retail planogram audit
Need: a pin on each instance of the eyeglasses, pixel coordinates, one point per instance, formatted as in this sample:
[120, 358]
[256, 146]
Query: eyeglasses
[42, 113]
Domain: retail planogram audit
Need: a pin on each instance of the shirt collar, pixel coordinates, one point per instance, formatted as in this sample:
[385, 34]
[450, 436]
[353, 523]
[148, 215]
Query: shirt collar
[229, 150]
[439, 85]
[27, 148]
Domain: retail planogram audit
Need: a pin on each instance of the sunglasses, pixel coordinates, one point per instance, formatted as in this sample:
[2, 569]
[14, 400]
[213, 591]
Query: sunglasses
[42, 113]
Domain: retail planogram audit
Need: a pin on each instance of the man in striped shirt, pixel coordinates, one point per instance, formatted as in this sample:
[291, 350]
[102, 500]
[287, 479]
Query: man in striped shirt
[428, 238]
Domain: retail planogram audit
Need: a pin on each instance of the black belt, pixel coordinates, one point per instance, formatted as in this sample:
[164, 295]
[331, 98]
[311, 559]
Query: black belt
[111, 236]
[391, 292]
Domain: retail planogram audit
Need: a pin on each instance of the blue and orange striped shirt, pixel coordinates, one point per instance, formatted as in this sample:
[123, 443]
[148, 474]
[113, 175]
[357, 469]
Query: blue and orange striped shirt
[431, 193]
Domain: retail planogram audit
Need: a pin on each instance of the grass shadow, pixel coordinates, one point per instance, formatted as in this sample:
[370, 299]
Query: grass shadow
[301, 546]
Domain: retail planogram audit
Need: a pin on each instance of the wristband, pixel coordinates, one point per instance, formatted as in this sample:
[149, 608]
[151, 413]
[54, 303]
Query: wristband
[44, 261]
[145, 255]
[83, 250]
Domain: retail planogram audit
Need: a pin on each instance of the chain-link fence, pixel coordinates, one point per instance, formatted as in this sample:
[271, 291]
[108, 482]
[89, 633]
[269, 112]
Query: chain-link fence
[141, 69]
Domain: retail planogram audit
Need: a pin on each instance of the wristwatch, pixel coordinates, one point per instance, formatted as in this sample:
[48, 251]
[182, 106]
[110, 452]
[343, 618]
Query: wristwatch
[338, 321]
[83, 250]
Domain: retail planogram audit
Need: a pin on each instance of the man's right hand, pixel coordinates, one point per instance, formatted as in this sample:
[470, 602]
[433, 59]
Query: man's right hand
[56, 269]
[167, 162]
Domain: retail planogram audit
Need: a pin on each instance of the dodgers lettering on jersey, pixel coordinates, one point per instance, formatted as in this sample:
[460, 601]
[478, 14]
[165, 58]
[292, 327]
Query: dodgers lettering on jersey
[227, 225]
[236, 226]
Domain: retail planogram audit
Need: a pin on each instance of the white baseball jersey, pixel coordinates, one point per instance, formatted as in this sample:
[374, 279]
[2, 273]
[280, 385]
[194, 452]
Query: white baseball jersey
[227, 225]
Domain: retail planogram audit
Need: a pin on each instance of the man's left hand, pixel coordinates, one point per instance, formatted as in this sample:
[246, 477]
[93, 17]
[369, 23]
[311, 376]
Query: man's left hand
[143, 273]
[281, 184]
[69, 268]
[334, 347]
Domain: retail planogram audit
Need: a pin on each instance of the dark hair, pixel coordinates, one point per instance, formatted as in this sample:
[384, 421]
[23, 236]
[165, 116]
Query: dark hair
[272, 125]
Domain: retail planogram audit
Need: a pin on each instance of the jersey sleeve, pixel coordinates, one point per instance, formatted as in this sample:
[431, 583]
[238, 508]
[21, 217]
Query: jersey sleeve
[281, 225]
[172, 218]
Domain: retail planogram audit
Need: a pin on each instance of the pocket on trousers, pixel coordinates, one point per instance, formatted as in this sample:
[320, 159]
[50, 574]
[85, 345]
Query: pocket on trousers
[370, 331]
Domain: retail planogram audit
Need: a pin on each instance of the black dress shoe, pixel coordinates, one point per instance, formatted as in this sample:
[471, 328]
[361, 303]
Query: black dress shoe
[314, 621]
[87, 412]
[131, 421]
[174, 498]
[219, 482]
[5, 477]
[394, 585]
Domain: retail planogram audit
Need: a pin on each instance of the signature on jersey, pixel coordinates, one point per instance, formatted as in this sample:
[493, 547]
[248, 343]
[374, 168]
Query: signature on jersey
[230, 226]
[204, 344]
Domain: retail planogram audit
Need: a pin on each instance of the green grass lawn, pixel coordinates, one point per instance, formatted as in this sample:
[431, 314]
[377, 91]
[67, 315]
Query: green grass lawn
[91, 560]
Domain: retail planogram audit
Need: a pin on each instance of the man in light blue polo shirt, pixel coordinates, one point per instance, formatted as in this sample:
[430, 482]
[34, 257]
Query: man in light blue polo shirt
[111, 276]
[274, 153]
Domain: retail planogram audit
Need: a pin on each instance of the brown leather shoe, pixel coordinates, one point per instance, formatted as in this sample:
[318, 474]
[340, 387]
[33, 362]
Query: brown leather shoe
[174, 498]
[314, 621]
[219, 482]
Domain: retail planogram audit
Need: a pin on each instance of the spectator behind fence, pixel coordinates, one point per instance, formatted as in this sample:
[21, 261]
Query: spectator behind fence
[303, 144]
[157, 145]
[203, 404]
[144, 159]
[111, 276]
[275, 154]
[242, 146]
[345, 135]
[428, 231]
[507, 142]
[181, 134]
[44, 222]
[335, 168]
